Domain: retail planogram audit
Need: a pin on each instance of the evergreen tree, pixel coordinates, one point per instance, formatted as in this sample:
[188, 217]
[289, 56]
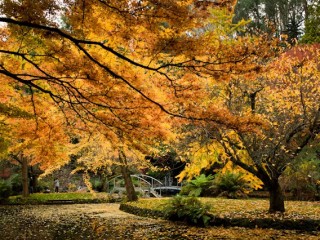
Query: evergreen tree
[281, 16]
[312, 30]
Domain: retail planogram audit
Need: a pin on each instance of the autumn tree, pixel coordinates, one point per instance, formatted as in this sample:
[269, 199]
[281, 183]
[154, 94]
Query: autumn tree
[8, 114]
[32, 132]
[102, 73]
[101, 84]
[124, 152]
[286, 101]
[41, 142]
[120, 67]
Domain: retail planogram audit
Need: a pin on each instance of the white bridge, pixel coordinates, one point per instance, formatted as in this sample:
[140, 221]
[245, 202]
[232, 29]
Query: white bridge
[146, 185]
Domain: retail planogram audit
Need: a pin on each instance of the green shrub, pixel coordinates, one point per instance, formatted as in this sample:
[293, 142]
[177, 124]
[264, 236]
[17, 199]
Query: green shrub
[200, 186]
[44, 184]
[16, 183]
[302, 179]
[231, 185]
[187, 209]
[5, 189]
[96, 184]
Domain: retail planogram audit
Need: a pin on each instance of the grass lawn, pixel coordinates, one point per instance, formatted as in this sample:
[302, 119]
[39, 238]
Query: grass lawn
[44, 198]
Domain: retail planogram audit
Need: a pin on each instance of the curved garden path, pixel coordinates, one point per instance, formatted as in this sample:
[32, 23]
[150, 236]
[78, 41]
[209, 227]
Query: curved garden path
[106, 221]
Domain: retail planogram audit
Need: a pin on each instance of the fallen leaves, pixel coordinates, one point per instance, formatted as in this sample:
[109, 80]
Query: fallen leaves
[245, 208]
[105, 221]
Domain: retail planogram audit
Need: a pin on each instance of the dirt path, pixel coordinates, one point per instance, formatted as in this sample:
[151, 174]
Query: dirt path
[106, 221]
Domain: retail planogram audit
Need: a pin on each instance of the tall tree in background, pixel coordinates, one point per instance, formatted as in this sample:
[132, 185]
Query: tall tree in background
[13, 114]
[32, 132]
[312, 29]
[30, 140]
[285, 17]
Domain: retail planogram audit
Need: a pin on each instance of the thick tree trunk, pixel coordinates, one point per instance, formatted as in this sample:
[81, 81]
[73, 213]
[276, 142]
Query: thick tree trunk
[105, 185]
[276, 197]
[131, 193]
[25, 179]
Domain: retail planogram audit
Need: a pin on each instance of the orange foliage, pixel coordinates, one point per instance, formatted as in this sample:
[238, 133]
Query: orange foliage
[123, 68]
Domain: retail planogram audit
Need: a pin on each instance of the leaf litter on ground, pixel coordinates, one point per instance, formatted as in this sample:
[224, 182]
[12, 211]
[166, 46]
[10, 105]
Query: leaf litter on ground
[106, 221]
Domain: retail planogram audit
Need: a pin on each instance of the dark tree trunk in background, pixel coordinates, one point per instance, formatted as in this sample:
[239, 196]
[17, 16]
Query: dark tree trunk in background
[276, 197]
[25, 179]
[105, 185]
[33, 179]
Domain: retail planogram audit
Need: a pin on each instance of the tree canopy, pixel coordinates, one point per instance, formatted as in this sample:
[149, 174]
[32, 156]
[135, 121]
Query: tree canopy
[121, 65]
[131, 74]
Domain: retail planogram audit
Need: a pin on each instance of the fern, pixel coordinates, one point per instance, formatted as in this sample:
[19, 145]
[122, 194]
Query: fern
[188, 209]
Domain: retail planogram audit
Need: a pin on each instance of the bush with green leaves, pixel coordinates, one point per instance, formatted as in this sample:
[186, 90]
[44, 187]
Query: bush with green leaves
[200, 186]
[231, 184]
[188, 209]
[96, 184]
[302, 180]
[16, 183]
[5, 189]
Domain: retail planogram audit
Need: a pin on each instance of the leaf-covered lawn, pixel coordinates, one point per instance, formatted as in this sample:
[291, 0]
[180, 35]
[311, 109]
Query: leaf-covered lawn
[248, 208]
[105, 221]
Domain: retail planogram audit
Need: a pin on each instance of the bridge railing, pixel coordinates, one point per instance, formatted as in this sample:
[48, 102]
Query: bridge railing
[145, 183]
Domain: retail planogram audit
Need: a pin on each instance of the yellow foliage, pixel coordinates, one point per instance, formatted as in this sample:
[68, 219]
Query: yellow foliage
[252, 181]
[199, 157]
[116, 68]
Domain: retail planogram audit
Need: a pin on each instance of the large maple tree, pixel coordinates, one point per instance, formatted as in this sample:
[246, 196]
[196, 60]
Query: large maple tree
[123, 68]
[286, 99]
[32, 133]
[116, 56]
[116, 63]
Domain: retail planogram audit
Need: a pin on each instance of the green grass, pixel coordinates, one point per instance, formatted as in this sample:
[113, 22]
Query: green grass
[43, 198]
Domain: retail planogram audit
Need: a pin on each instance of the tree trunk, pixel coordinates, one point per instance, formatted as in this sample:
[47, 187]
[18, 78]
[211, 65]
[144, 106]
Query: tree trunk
[33, 180]
[131, 193]
[276, 197]
[25, 179]
[105, 185]
[35, 183]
